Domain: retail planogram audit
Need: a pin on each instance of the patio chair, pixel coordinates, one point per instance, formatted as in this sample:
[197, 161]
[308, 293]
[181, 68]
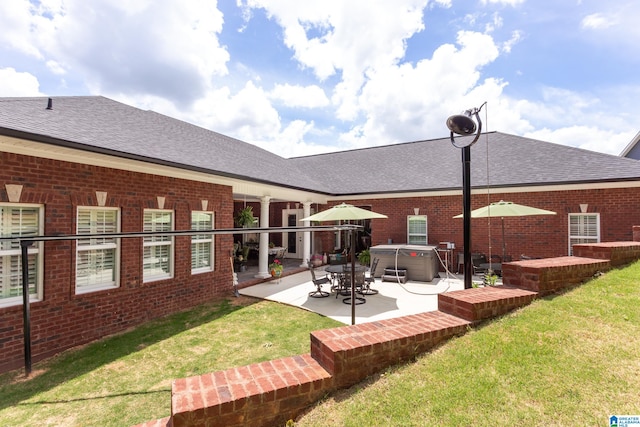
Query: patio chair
[369, 278]
[282, 253]
[477, 260]
[318, 281]
[343, 283]
[358, 283]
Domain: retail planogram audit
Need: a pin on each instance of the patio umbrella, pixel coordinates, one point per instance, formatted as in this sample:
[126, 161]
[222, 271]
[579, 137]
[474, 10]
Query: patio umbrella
[343, 212]
[346, 212]
[502, 209]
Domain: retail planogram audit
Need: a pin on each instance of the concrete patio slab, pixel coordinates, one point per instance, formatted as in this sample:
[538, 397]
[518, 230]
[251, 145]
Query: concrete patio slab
[393, 299]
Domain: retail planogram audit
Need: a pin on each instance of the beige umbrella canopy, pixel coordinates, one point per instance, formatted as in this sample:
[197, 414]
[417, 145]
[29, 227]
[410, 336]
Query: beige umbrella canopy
[502, 209]
[346, 212]
[343, 212]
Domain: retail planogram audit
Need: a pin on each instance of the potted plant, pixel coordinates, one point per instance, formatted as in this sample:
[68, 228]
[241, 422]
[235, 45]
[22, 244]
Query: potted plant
[364, 257]
[490, 278]
[276, 268]
[316, 260]
[245, 217]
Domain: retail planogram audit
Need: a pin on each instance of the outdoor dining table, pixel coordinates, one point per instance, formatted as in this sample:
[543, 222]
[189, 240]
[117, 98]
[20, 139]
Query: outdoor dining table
[338, 271]
[339, 274]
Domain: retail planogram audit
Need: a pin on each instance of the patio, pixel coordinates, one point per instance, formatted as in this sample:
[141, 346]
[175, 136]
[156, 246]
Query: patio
[393, 300]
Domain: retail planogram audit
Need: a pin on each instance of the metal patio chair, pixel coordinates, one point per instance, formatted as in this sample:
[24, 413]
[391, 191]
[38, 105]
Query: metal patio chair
[319, 281]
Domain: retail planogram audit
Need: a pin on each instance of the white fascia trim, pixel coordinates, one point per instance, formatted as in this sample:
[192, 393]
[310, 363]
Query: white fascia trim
[494, 190]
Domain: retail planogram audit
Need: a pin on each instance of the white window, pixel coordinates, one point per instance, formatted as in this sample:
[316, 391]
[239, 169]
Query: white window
[97, 258]
[417, 229]
[158, 249]
[201, 244]
[19, 221]
[583, 228]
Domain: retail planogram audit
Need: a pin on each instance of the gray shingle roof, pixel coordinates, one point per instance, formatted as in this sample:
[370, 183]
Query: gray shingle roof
[437, 165]
[101, 124]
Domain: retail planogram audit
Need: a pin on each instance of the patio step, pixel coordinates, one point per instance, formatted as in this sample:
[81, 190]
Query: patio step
[477, 304]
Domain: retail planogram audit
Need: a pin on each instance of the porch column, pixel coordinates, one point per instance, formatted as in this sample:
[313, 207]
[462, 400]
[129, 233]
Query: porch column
[306, 236]
[263, 254]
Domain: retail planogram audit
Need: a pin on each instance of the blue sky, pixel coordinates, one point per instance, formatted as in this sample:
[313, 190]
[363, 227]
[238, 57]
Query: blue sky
[304, 77]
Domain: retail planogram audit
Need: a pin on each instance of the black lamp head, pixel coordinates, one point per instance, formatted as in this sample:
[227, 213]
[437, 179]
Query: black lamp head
[461, 125]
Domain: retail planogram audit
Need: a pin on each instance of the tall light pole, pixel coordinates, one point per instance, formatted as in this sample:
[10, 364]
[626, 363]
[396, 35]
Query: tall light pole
[462, 124]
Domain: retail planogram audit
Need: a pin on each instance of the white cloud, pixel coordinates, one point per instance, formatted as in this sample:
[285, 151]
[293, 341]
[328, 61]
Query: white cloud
[14, 83]
[56, 68]
[351, 37]
[616, 27]
[16, 21]
[597, 21]
[586, 137]
[495, 23]
[164, 48]
[516, 37]
[503, 2]
[299, 96]
[403, 102]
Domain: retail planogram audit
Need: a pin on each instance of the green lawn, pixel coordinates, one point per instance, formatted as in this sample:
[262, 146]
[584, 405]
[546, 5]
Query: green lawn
[566, 360]
[126, 379]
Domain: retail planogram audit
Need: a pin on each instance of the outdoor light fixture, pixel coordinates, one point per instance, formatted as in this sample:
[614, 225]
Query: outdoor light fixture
[463, 124]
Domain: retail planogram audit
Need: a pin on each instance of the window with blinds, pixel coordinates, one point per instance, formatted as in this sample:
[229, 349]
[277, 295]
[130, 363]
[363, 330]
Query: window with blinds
[97, 258]
[157, 249]
[583, 228]
[417, 229]
[201, 244]
[19, 221]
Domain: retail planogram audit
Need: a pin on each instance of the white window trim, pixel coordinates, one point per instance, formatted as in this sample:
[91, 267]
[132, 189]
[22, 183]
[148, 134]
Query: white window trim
[38, 249]
[170, 243]
[570, 237]
[207, 238]
[111, 245]
[426, 229]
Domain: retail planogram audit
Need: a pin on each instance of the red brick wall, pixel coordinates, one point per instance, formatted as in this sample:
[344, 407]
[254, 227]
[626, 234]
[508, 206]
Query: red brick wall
[64, 319]
[535, 236]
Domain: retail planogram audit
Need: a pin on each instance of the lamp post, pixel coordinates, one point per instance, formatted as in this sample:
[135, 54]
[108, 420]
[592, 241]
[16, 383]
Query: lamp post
[462, 124]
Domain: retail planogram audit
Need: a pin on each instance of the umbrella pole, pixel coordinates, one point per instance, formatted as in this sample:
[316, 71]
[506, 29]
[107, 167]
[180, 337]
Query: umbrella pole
[504, 245]
[353, 276]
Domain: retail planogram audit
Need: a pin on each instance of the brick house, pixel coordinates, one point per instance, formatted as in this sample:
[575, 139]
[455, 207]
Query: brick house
[91, 165]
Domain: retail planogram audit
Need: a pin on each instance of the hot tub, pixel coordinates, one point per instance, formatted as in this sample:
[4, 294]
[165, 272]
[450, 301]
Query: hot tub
[421, 262]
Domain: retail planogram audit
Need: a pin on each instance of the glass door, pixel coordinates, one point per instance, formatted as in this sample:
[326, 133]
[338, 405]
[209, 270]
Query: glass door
[292, 240]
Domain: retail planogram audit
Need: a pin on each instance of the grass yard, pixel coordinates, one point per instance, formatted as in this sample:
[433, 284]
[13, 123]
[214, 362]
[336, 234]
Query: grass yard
[571, 359]
[567, 360]
[126, 379]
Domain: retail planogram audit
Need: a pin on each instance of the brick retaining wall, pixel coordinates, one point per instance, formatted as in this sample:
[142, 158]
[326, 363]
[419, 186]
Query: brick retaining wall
[270, 393]
[351, 353]
[475, 305]
[549, 275]
[618, 253]
[262, 394]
